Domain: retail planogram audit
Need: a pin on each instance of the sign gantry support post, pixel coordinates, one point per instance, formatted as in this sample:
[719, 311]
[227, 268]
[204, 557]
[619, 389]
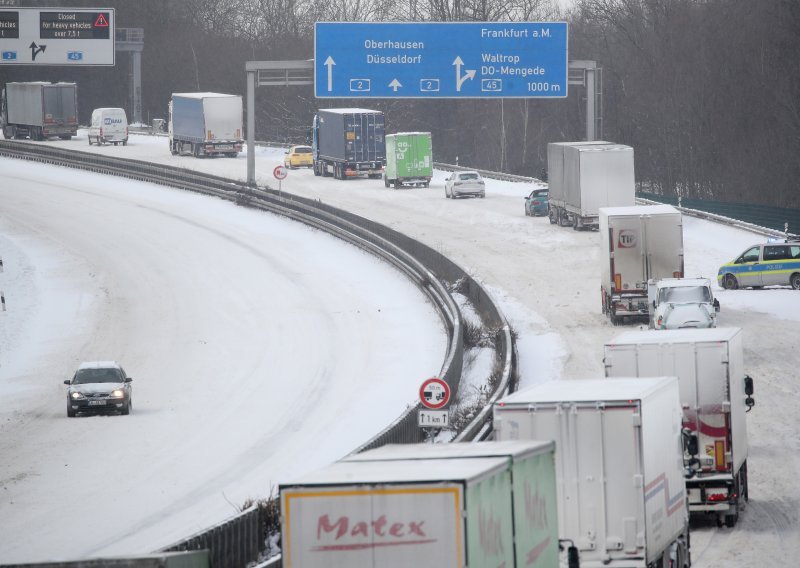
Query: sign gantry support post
[266, 73]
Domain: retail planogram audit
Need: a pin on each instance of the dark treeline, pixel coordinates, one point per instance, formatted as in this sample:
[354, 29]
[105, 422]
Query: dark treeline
[706, 91]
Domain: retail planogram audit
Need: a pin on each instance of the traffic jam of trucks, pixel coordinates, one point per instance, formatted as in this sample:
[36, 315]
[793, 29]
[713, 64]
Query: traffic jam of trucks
[600, 472]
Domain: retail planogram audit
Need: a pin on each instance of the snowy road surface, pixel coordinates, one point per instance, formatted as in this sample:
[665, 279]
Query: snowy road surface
[546, 279]
[258, 349]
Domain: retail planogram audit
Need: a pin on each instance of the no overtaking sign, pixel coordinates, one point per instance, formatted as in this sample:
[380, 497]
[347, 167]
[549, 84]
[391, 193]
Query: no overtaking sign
[434, 393]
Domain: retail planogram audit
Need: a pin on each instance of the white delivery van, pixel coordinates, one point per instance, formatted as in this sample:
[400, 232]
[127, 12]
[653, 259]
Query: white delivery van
[108, 125]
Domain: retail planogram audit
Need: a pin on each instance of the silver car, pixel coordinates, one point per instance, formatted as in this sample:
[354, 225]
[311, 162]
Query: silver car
[99, 386]
[466, 183]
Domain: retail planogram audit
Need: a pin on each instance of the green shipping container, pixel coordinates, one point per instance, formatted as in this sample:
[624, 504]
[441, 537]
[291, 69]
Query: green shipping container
[409, 159]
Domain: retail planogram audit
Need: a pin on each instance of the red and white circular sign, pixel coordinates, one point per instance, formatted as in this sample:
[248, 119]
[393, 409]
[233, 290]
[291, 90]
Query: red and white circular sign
[280, 172]
[434, 393]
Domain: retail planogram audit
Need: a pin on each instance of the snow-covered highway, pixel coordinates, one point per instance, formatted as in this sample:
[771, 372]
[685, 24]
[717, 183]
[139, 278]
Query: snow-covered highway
[546, 279]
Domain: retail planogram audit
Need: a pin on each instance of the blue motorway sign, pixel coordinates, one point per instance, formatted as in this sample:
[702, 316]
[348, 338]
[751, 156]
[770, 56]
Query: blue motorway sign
[440, 60]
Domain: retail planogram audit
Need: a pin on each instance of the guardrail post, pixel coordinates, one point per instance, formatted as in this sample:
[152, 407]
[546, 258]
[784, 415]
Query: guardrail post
[251, 126]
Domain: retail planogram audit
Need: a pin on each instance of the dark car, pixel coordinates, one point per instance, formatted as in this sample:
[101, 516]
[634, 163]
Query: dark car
[99, 386]
[537, 203]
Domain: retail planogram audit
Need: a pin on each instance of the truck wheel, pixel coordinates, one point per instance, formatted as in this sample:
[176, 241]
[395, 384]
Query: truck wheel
[65, 136]
[315, 167]
[196, 150]
[173, 148]
[90, 140]
[730, 520]
[795, 281]
[730, 282]
[385, 181]
[125, 142]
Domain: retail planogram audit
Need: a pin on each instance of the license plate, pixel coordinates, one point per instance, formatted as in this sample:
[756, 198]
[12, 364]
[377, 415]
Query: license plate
[97, 403]
[224, 147]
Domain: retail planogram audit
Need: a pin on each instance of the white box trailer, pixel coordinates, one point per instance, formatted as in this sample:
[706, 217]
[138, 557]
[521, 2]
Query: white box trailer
[619, 467]
[205, 124]
[637, 244]
[715, 396]
[39, 110]
[432, 513]
[533, 478]
[585, 176]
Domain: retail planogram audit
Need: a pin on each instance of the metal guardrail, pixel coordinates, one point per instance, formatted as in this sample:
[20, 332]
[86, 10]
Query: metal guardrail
[486, 173]
[426, 267]
[700, 214]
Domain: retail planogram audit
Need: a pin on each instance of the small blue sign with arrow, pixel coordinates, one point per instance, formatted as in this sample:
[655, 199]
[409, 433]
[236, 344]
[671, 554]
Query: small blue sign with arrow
[441, 60]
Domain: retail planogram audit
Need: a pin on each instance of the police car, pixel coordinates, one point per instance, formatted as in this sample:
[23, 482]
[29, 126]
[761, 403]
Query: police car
[775, 263]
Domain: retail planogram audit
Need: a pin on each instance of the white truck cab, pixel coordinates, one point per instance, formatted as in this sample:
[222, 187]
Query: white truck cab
[108, 125]
[676, 303]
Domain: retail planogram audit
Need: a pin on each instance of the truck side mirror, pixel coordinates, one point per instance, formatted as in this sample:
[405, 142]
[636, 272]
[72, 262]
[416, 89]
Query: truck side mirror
[690, 443]
[748, 390]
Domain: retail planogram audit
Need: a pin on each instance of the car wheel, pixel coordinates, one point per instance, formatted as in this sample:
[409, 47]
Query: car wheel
[70, 413]
[730, 282]
[127, 408]
[795, 281]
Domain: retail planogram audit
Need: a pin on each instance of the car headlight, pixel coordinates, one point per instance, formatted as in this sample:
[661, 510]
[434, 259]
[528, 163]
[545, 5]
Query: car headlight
[75, 395]
[117, 393]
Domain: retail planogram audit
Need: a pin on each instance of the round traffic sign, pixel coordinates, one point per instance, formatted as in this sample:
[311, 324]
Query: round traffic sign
[280, 172]
[434, 393]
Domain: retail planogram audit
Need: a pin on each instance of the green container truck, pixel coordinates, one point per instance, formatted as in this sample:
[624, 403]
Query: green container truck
[409, 159]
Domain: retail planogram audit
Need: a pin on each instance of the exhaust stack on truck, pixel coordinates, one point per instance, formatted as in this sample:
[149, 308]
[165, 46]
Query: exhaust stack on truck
[715, 396]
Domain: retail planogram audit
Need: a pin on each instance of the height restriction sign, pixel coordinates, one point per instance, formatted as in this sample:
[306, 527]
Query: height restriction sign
[434, 393]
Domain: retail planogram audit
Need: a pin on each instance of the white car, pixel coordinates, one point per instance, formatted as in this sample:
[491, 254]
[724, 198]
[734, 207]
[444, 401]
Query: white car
[677, 303]
[466, 183]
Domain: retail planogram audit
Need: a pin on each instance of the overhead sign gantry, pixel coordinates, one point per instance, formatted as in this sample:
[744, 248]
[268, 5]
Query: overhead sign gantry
[53, 36]
[441, 60]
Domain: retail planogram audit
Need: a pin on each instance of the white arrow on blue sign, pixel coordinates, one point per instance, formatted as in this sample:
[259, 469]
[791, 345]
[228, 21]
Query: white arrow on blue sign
[441, 60]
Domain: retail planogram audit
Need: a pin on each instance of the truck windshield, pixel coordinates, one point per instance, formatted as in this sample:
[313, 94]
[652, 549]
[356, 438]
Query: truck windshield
[685, 294]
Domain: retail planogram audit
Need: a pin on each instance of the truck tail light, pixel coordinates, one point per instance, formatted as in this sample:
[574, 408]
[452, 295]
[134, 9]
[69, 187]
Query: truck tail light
[677, 274]
[210, 135]
[618, 281]
[718, 496]
[238, 133]
[101, 133]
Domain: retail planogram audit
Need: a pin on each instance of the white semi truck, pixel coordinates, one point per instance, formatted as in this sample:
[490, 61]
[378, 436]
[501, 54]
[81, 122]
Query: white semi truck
[621, 494]
[637, 244]
[715, 396]
[39, 110]
[205, 124]
[427, 513]
[585, 176]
